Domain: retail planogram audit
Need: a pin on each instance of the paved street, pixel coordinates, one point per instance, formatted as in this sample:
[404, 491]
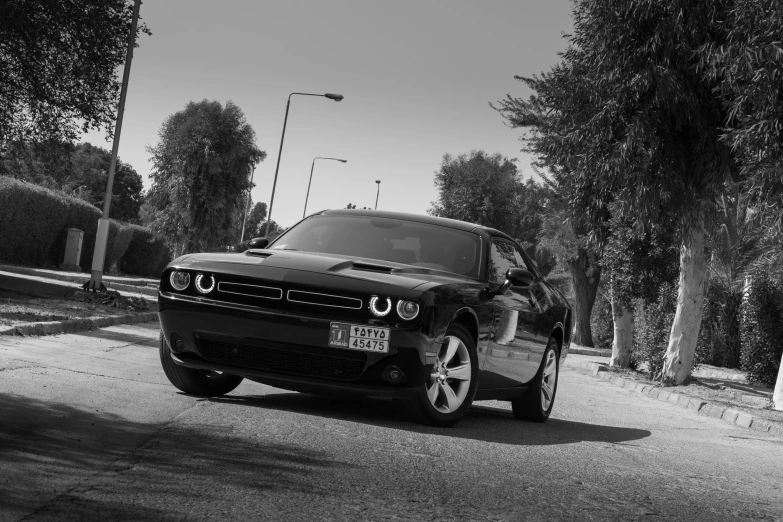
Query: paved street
[91, 430]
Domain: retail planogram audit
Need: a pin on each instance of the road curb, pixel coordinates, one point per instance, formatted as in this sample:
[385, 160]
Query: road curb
[700, 406]
[78, 325]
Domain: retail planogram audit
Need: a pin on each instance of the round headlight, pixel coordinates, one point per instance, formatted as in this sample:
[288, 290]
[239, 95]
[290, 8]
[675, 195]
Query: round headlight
[179, 280]
[407, 309]
[205, 283]
[378, 307]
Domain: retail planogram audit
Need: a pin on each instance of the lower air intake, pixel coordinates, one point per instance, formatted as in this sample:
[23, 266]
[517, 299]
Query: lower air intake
[273, 357]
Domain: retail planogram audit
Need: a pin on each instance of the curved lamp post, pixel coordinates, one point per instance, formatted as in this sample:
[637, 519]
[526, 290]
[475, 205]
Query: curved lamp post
[335, 97]
[311, 180]
[377, 193]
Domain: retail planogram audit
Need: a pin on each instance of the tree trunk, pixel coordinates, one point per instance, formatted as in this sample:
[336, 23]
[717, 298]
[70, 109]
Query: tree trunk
[585, 279]
[690, 305]
[622, 316]
[777, 396]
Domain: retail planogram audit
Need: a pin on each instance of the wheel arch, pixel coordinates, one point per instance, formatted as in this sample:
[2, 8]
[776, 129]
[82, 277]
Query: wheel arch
[558, 334]
[467, 317]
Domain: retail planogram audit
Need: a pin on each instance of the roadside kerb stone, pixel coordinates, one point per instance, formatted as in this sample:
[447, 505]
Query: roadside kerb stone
[77, 325]
[700, 406]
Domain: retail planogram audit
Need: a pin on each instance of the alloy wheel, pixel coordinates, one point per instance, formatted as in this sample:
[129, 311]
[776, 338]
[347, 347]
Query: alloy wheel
[549, 380]
[449, 381]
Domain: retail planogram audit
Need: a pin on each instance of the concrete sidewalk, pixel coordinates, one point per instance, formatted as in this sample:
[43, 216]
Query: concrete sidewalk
[132, 285]
[754, 396]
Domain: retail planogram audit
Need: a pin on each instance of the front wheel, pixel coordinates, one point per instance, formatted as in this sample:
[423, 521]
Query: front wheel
[537, 403]
[205, 383]
[450, 388]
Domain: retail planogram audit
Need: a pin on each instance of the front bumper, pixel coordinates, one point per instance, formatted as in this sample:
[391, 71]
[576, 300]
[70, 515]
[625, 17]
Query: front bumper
[289, 350]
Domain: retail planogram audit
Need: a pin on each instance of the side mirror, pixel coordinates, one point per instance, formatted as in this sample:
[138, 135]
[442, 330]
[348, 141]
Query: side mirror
[516, 277]
[258, 242]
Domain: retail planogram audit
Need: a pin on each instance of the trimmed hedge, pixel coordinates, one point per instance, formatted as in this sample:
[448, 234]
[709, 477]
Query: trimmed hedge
[762, 331]
[34, 223]
[147, 253]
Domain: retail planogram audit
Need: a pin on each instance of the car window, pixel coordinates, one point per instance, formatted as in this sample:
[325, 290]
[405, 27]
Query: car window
[501, 258]
[386, 239]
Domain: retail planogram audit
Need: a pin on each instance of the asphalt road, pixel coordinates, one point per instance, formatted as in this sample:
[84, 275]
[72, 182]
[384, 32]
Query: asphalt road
[91, 430]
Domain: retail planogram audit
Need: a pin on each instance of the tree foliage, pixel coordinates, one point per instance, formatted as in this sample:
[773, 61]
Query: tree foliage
[59, 64]
[201, 166]
[78, 170]
[255, 217]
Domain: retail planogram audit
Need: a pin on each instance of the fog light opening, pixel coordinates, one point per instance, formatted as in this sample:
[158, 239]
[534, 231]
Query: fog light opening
[393, 374]
[177, 343]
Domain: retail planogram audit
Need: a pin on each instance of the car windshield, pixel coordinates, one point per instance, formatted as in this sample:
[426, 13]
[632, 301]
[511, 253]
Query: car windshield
[386, 239]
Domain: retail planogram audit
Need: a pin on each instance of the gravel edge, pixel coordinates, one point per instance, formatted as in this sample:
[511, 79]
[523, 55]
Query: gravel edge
[700, 406]
[77, 325]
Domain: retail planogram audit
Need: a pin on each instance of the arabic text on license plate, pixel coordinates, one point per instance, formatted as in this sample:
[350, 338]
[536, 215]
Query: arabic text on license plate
[359, 337]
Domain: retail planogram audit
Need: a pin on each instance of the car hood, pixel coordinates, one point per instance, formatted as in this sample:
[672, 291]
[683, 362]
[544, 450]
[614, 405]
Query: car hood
[283, 265]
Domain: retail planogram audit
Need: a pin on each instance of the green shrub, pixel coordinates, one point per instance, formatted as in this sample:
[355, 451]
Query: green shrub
[719, 335]
[762, 331]
[147, 254]
[34, 223]
[652, 325]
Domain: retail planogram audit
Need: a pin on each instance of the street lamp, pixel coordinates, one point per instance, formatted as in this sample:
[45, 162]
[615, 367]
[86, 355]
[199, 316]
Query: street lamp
[311, 180]
[102, 236]
[378, 193]
[335, 97]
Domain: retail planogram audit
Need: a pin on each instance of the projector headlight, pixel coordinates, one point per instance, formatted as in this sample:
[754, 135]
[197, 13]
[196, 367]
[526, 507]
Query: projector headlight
[179, 280]
[407, 309]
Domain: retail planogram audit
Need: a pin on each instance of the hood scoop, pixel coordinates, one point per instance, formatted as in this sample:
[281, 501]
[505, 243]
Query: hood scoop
[257, 253]
[367, 267]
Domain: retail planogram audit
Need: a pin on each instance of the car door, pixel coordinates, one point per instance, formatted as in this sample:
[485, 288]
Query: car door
[515, 347]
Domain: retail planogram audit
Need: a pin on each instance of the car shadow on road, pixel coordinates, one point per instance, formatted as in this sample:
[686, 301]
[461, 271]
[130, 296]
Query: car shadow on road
[485, 423]
[128, 470]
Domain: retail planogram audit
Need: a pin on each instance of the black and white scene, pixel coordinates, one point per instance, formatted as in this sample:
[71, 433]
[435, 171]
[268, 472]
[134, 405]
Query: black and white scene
[421, 260]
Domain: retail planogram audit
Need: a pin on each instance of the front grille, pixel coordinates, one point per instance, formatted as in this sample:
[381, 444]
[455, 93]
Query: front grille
[334, 301]
[273, 357]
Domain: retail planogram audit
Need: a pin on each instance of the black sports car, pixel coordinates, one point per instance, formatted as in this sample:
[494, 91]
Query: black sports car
[432, 312]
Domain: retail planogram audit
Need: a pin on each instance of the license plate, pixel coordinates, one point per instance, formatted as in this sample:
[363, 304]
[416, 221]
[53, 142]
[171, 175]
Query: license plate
[359, 337]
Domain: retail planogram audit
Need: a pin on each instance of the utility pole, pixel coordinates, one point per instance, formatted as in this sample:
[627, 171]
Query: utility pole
[99, 254]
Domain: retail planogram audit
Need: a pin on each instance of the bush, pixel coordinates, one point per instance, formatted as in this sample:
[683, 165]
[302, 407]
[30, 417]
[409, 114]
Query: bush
[718, 343]
[652, 325]
[34, 223]
[762, 331]
[147, 253]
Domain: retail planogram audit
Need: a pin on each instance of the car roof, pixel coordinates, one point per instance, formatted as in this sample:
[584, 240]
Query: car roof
[420, 218]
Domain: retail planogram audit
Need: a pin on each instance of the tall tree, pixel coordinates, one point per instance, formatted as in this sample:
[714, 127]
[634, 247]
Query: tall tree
[201, 167]
[256, 216]
[640, 126]
[58, 66]
[479, 188]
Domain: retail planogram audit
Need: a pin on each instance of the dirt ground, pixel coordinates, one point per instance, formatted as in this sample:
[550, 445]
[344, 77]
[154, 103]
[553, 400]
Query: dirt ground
[724, 393]
[16, 309]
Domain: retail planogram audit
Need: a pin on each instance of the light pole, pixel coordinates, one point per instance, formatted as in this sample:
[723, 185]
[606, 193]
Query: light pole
[247, 204]
[99, 252]
[335, 97]
[311, 180]
[377, 193]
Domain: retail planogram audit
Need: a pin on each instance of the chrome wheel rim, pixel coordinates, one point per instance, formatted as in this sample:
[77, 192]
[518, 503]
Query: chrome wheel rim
[449, 381]
[549, 380]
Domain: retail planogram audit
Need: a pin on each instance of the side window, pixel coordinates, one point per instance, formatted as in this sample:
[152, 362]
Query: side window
[521, 261]
[502, 257]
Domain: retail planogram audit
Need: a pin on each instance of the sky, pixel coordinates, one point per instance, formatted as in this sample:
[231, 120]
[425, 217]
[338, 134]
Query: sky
[417, 76]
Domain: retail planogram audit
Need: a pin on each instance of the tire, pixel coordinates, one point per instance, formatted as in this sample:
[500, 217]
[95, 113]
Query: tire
[536, 404]
[203, 383]
[449, 391]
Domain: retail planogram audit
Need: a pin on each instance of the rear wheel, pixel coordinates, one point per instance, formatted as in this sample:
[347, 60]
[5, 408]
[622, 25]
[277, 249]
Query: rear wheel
[206, 383]
[450, 388]
[537, 403]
